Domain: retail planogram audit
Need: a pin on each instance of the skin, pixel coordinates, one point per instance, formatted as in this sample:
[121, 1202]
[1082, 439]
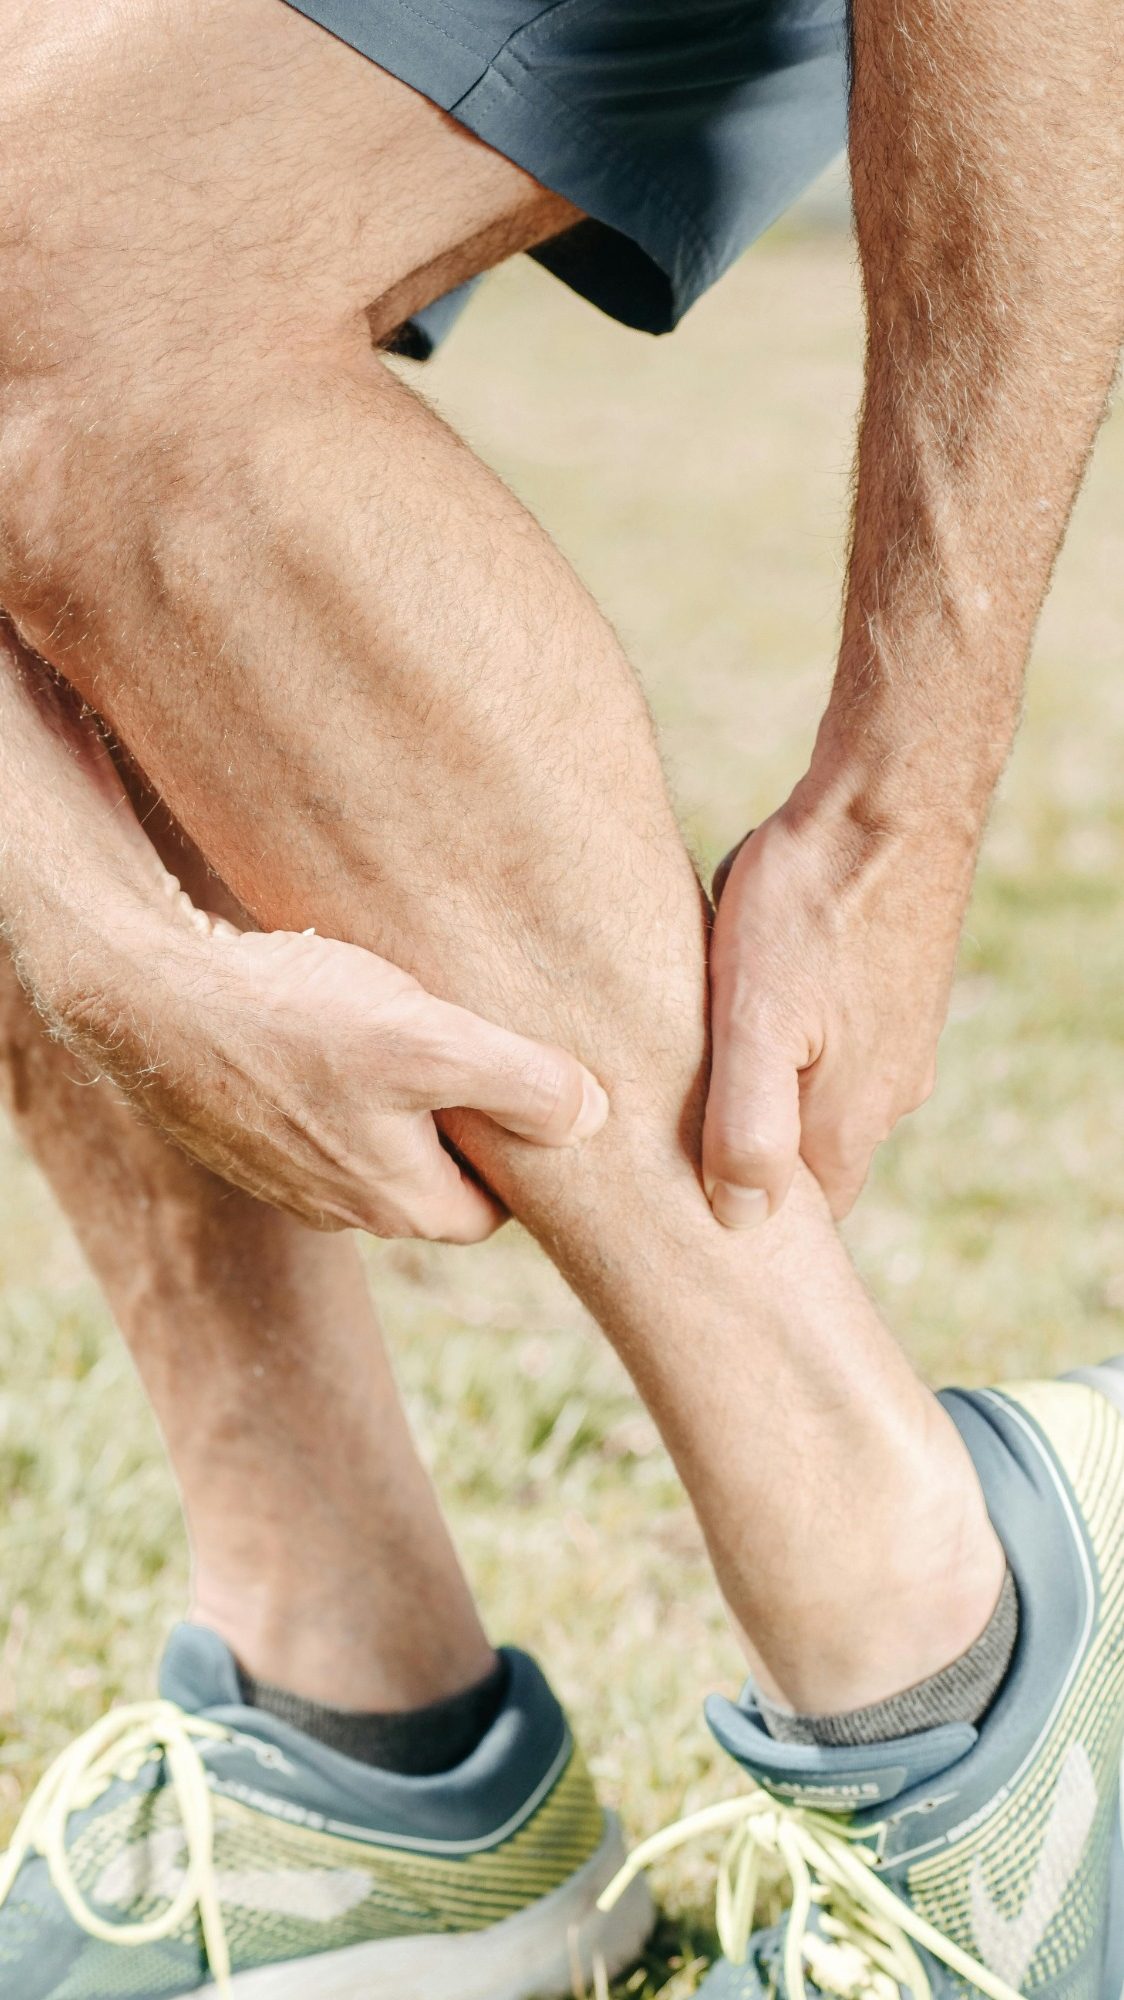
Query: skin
[259, 1349]
[417, 640]
[988, 166]
[326, 1108]
[283, 667]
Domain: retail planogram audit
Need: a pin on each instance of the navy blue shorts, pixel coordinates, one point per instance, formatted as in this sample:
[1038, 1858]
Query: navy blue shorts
[681, 128]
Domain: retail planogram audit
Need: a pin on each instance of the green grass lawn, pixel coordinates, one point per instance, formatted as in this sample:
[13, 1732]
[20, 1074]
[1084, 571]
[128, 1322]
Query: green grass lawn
[700, 485]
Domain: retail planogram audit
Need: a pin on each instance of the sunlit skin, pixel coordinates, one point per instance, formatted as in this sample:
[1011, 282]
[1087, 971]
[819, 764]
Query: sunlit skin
[384, 710]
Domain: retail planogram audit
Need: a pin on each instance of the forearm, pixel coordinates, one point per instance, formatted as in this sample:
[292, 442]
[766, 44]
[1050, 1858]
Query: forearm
[988, 163]
[987, 148]
[79, 883]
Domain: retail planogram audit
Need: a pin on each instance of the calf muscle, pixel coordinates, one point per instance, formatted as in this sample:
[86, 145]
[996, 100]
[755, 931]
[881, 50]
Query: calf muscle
[390, 711]
[381, 704]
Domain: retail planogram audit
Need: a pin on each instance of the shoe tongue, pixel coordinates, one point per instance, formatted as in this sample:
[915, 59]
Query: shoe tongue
[199, 1672]
[830, 1780]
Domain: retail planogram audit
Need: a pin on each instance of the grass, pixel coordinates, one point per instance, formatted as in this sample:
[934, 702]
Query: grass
[700, 485]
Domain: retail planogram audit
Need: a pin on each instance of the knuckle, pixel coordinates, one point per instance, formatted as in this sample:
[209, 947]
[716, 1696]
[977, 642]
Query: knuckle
[427, 1226]
[417, 1018]
[396, 1221]
[838, 1148]
[422, 1037]
[467, 1231]
[422, 1057]
[739, 1150]
[853, 1144]
[327, 1215]
[419, 1209]
[550, 1096]
[384, 1202]
[922, 1091]
[746, 1010]
[844, 1196]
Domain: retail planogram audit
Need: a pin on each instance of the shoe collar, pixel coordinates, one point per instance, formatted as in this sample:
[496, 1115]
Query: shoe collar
[277, 1769]
[937, 1781]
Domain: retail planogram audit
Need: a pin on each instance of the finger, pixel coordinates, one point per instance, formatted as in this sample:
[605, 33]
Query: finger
[837, 1152]
[842, 1178]
[533, 1089]
[722, 872]
[751, 1133]
[432, 1197]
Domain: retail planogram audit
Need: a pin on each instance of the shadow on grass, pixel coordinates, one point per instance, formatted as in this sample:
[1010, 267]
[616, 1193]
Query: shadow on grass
[680, 1951]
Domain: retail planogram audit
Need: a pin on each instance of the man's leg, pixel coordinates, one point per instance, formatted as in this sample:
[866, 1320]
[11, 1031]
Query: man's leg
[394, 1808]
[318, 1551]
[387, 708]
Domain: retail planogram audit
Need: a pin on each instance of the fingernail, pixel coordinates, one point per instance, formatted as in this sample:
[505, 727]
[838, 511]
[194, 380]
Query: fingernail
[594, 1111]
[739, 1207]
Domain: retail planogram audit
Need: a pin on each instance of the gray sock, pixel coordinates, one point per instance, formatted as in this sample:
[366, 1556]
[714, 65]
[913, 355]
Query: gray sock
[419, 1743]
[962, 1692]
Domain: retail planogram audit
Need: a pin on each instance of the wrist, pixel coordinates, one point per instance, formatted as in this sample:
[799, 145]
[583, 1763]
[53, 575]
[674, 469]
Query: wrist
[95, 955]
[892, 775]
[856, 825]
[924, 704]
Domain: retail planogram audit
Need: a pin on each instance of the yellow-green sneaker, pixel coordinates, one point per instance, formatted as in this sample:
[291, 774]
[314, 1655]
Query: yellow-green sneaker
[959, 1860]
[194, 1845]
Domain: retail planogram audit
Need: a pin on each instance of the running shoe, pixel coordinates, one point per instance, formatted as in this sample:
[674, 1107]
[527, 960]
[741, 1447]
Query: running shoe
[194, 1845]
[959, 1860]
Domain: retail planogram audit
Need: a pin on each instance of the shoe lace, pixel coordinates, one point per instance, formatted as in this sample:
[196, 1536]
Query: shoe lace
[119, 1747]
[864, 1945]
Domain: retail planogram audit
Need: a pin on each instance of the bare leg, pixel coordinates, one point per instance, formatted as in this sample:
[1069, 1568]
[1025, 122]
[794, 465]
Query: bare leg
[318, 1549]
[398, 678]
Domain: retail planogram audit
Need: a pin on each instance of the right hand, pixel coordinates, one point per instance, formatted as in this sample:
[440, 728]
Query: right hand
[308, 1072]
[305, 1071]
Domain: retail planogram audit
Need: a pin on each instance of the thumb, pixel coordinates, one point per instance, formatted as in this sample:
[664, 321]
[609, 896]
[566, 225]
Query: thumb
[751, 1133]
[534, 1089]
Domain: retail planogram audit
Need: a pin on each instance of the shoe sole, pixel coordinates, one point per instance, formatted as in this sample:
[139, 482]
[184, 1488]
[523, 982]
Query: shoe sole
[548, 1952]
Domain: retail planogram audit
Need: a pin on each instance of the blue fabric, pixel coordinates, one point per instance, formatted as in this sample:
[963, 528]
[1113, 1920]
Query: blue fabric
[488, 1791]
[681, 128]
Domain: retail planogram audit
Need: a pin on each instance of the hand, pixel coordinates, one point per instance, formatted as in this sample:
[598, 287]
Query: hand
[831, 964]
[307, 1072]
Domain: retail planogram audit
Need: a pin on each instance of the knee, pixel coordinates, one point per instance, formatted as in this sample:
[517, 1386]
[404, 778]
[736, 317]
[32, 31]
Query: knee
[151, 287]
[121, 503]
[114, 484]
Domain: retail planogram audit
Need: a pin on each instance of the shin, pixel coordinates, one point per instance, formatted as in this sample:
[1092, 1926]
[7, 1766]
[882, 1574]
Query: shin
[317, 1548]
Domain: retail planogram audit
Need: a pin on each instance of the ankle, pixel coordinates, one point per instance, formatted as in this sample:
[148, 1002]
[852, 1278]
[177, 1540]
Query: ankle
[960, 1693]
[326, 1652]
[920, 1595]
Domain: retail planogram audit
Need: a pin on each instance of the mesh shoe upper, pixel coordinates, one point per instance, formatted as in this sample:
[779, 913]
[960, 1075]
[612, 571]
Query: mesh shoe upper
[960, 1860]
[309, 1852]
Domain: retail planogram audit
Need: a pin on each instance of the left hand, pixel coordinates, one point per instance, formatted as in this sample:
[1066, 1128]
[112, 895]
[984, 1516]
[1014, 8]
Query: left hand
[832, 960]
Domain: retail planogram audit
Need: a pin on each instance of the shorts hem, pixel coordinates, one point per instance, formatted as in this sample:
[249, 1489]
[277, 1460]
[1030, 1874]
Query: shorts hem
[509, 108]
[536, 130]
[424, 47]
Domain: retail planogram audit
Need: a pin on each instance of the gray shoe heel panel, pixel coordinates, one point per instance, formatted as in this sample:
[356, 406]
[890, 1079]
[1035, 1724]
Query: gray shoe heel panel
[1108, 1378]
